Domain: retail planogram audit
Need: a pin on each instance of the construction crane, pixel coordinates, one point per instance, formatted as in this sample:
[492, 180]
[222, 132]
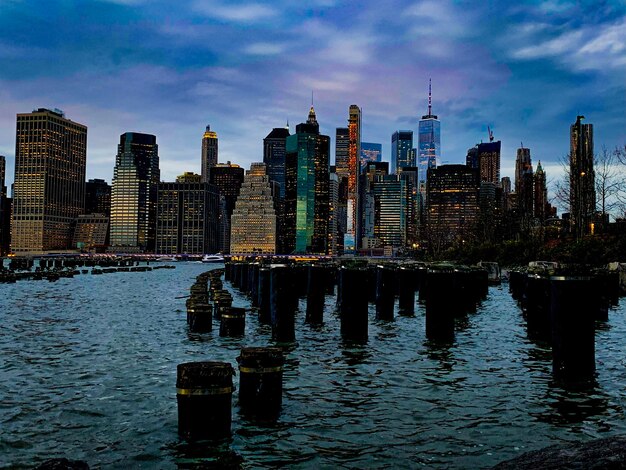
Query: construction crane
[490, 134]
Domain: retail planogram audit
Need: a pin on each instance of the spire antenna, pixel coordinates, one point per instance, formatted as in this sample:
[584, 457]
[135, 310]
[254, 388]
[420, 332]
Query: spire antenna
[430, 99]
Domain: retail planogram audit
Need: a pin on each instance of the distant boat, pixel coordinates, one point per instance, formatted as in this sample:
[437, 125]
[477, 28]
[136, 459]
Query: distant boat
[212, 259]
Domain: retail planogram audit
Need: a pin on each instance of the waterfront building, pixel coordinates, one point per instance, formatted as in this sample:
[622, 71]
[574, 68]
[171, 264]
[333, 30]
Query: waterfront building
[429, 143]
[91, 232]
[451, 204]
[410, 175]
[254, 224]
[209, 152]
[350, 241]
[187, 216]
[307, 189]
[49, 190]
[401, 150]
[228, 178]
[134, 194]
[5, 211]
[582, 178]
[370, 152]
[97, 197]
[274, 156]
[524, 184]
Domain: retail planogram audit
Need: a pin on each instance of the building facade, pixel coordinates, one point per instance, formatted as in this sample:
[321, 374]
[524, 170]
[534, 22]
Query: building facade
[228, 178]
[274, 156]
[350, 240]
[209, 152]
[370, 152]
[390, 210]
[307, 189]
[254, 223]
[49, 190]
[5, 211]
[582, 178]
[97, 197]
[187, 217]
[91, 232]
[402, 150]
[452, 205]
[134, 194]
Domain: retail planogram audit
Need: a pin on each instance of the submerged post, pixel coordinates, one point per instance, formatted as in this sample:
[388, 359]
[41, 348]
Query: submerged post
[573, 328]
[316, 290]
[439, 305]
[282, 304]
[385, 292]
[233, 322]
[261, 380]
[353, 306]
[204, 394]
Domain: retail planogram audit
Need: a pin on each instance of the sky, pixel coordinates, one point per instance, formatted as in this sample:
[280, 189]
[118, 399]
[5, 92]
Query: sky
[526, 69]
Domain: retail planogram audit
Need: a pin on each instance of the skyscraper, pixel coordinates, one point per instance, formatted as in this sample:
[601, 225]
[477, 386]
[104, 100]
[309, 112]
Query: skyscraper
[401, 150]
[187, 216]
[307, 189]
[540, 191]
[390, 210]
[342, 142]
[485, 157]
[209, 152]
[351, 242]
[582, 178]
[452, 204]
[429, 142]
[97, 197]
[134, 194]
[253, 225]
[370, 152]
[228, 178]
[5, 211]
[274, 156]
[524, 183]
[49, 190]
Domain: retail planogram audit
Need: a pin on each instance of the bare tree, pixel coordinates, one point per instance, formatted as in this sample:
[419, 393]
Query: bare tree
[609, 181]
[561, 197]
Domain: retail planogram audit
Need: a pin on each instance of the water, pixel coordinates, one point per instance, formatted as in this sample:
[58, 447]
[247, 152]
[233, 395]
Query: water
[88, 371]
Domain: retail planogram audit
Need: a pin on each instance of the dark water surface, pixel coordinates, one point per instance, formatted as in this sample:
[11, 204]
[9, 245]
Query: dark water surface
[88, 371]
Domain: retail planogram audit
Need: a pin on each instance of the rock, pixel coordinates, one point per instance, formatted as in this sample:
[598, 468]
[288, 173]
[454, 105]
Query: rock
[608, 453]
[63, 464]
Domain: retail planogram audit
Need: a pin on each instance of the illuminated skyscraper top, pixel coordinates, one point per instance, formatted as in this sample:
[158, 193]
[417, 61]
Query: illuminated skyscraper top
[429, 142]
[209, 152]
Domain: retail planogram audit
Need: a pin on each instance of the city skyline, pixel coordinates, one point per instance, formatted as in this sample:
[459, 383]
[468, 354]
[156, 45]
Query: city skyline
[522, 70]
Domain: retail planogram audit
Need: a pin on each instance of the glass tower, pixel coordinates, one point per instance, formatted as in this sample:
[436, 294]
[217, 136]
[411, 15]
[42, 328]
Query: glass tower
[307, 189]
[134, 193]
[274, 156]
[429, 143]
[582, 177]
[49, 191]
[401, 150]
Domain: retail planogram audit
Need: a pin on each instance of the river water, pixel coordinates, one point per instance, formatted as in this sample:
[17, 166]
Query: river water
[88, 371]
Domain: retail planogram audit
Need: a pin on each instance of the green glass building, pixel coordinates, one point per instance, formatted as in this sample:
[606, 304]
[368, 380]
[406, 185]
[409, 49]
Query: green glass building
[307, 189]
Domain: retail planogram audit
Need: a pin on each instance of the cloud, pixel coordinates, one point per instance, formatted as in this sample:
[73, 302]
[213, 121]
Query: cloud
[241, 12]
[265, 49]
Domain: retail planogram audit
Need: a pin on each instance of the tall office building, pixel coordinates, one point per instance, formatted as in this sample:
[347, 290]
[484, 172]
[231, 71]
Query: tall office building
[254, 225]
[350, 241]
[371, 173]
[429, 142]
[489, 162]
[370, 152]
[402, 150]
[452, 204]
[582, 178]
[333, 202]
[134, 194]
[209, 152]
[307, 189]
[410, 175]
[228, 178]
[5, 211]
[49, 190]
[187, 216]
[540, 193]
[274, 156]
[390, 210]
[97, 197]
[342, 143]
[524, 183]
